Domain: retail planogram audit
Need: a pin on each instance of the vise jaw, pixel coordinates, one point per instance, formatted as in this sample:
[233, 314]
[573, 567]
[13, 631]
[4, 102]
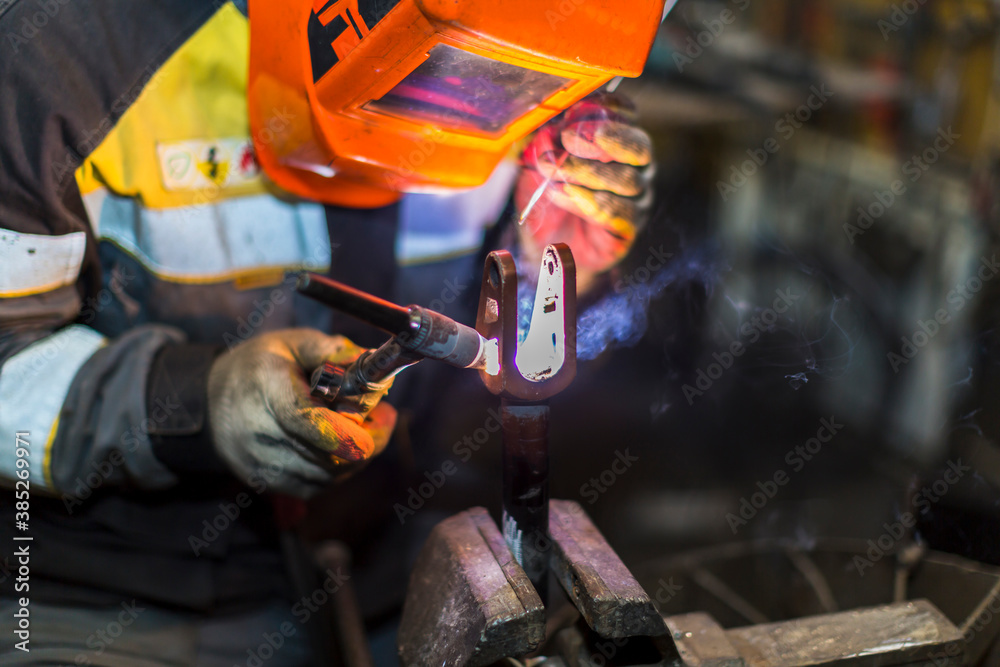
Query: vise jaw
[470, 603]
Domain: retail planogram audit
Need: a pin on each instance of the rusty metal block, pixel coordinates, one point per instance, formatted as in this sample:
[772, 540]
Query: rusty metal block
[468, 602]
[702, 642]
[595, 579]
[895, 634]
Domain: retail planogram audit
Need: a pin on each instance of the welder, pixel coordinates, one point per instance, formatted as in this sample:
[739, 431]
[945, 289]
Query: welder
[157, 196]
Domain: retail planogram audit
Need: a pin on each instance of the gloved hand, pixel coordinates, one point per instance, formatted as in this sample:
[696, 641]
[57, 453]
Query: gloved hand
[265, 422]
[598, 196]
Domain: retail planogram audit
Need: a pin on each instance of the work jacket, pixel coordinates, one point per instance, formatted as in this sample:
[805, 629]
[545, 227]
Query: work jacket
[139, 240]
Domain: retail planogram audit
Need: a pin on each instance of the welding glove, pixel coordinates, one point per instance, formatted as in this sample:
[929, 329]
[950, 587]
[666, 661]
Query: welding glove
[269, 429]
[595, 165]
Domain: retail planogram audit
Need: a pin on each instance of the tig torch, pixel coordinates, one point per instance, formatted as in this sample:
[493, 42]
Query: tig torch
[417, 333]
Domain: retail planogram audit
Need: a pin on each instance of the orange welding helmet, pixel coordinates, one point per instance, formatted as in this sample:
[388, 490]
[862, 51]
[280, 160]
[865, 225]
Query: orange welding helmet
[353, 101]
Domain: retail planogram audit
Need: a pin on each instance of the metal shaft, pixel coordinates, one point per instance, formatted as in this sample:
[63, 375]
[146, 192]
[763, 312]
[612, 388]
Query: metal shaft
[526, 488]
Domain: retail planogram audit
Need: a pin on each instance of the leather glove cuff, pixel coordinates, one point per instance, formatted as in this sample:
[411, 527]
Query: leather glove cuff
[177, 409]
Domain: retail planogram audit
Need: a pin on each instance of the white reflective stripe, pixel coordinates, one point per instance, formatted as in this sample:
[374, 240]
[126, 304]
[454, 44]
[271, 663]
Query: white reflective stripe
[34, 263]
[219, 240]
[436, 226]
[33, 386]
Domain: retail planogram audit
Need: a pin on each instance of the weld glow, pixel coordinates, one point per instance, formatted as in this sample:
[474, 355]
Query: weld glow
[493, 356]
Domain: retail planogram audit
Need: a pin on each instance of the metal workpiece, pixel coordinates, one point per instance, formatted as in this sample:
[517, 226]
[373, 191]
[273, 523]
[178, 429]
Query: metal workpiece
[468, 601]
[539, 367]
[595, 579]
[526, 488]
[547, 364]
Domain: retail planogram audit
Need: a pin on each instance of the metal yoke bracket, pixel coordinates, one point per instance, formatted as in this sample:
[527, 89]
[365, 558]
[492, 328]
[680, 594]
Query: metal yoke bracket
[554, 314]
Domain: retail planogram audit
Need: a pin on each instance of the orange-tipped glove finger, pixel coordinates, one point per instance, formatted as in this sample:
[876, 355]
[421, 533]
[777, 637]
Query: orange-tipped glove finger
[619, 179]
[595, 166]
[266, 425]
[608, 141]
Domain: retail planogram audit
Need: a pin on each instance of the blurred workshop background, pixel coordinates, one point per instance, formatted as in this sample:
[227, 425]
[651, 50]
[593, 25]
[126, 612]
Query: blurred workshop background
[793, 402]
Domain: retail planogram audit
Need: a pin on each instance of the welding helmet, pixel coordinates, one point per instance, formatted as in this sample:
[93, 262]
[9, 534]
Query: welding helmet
[353, 101]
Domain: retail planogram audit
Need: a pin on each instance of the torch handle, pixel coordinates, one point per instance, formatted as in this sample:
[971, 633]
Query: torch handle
[357, 388]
